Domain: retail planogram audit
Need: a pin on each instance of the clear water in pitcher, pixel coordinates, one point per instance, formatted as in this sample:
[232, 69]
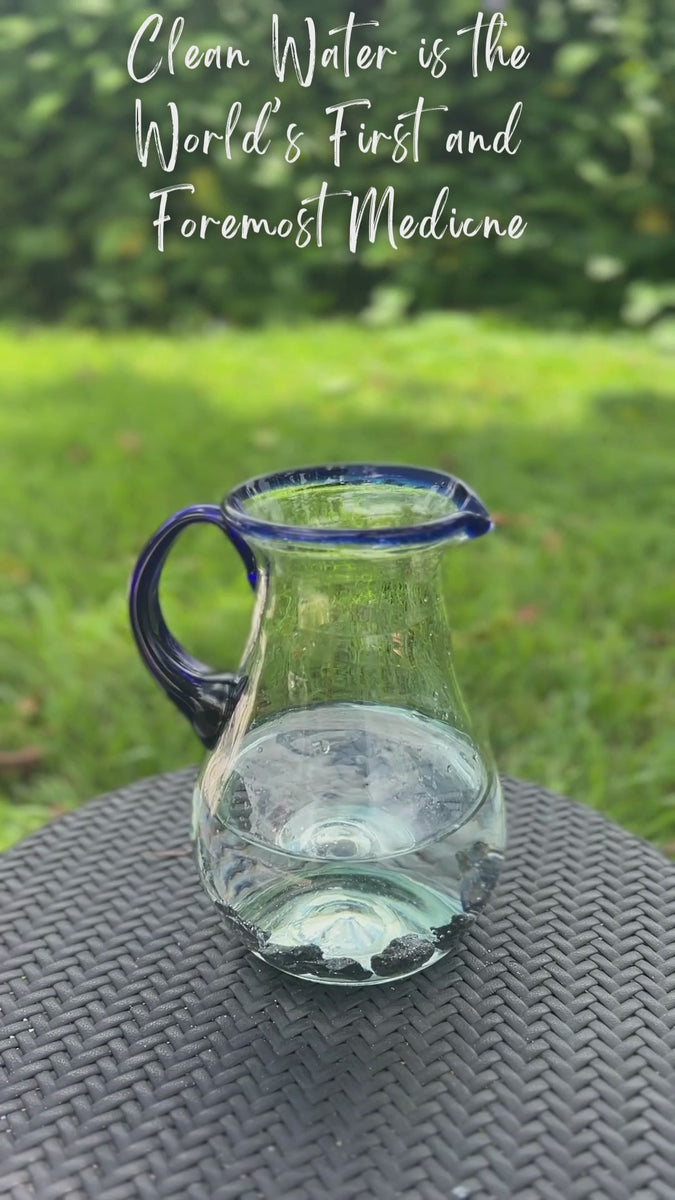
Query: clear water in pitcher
[352, 843]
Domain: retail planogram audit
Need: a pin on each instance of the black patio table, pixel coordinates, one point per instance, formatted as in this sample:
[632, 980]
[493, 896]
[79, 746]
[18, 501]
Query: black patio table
[147, 1054]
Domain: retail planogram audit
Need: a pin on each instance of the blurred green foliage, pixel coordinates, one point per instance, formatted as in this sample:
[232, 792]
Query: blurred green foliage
[594, 176]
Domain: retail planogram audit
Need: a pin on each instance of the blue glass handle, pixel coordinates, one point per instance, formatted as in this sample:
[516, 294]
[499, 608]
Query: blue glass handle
[206, 697]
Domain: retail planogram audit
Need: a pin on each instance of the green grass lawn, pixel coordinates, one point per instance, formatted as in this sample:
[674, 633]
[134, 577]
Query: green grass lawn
[563, 617]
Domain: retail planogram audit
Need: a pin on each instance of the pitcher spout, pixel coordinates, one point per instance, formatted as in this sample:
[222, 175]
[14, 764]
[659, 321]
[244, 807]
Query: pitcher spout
[358, 505]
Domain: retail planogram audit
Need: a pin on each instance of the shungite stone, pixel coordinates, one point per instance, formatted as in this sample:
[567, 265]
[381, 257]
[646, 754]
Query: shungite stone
[248, 932]
[474, 892]
[342, 968]
[240, 808]
[489, 869]
[480, 867]
[476, 887]
[447, 936]
[294, 958]
[402, 954]
[472, 856]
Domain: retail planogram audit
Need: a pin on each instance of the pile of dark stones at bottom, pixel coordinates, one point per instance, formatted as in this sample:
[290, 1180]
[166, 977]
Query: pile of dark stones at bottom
[402, 954]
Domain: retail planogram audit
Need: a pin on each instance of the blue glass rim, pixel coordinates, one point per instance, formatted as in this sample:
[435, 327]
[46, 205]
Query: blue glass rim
[469, 518]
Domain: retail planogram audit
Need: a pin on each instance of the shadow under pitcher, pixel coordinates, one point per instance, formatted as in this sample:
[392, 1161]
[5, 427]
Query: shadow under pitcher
[348, 823]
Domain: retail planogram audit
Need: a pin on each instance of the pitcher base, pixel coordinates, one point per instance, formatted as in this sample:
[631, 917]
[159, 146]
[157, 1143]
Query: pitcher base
[353, 929]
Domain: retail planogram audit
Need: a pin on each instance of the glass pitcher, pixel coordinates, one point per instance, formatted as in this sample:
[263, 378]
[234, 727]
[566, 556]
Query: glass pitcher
[348, 825]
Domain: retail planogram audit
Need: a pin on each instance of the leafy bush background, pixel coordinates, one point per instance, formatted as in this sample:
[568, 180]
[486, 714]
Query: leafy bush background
[594, 177]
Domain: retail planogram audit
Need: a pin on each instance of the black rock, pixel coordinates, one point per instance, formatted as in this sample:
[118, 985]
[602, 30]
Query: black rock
[489, 869]
[248, 932]
[303, 959]
[472, 856]
[474, 892]
[447, 936]
[402, 954]
[342, 968]
[480, 867]
[483, 860]
[240, 807]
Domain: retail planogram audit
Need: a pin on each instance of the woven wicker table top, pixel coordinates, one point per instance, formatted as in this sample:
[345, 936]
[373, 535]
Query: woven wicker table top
[147, 1055]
